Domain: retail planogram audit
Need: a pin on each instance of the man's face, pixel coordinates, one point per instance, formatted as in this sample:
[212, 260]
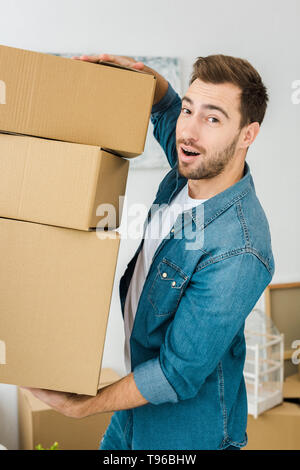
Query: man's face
[209, 127]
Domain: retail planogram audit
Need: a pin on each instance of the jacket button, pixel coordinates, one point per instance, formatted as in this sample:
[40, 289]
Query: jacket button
[173, 284]
[164, 275]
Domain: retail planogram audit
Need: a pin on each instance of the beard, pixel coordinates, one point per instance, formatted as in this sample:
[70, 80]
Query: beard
[210, 165]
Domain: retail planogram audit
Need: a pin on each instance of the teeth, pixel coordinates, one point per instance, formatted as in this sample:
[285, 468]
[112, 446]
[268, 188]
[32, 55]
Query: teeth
[189, 152]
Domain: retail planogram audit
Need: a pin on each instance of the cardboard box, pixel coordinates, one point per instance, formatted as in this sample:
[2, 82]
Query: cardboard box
[97, 104]
[275, 429]
[60, 183]
[291, 387]
[282, 305]
[40, 424]
[279, 427]
[55, 291]
[289, 368]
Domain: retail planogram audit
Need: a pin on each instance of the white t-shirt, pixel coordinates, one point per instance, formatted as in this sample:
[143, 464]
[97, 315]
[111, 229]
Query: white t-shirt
[158, 228]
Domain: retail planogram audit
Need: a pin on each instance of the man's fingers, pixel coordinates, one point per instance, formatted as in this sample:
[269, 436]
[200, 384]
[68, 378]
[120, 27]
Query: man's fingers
[138, 65]
[96, 58]
[108, 58]
[90, 58]
[115, 59]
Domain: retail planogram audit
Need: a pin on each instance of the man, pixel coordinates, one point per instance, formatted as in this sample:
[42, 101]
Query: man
[185, 302]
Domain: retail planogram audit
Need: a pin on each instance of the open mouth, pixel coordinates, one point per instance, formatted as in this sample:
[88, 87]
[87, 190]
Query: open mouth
[189, 153]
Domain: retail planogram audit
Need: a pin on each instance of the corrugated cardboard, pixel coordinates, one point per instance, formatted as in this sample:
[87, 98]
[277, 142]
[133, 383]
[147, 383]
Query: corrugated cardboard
[55, 291]
[282, 305]
[48, 96]
[275, 429]
[59, 183]
[39, 424]
[291, 387]
[289, 368]
[279, 427]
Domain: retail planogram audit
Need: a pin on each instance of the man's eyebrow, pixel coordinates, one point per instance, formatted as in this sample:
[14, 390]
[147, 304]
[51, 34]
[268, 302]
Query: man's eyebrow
[218, 108]
[186, 98]
[207, 106]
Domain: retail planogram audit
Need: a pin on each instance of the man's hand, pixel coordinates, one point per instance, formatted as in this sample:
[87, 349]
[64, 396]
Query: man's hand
[124, 61]
[69, 404]
[120, 395]
[115, 59]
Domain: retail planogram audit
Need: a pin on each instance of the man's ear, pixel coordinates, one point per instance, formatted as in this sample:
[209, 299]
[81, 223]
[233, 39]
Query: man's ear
[249, 134]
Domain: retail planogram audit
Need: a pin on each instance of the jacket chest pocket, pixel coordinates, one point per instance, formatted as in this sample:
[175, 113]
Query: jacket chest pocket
[167, 288]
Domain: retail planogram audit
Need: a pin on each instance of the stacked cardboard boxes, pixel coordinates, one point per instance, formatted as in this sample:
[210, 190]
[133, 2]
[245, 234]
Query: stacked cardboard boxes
[65, 127]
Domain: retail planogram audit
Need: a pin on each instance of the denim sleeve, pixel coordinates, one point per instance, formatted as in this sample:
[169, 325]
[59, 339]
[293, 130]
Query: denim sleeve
[164, 116]
[209, 316]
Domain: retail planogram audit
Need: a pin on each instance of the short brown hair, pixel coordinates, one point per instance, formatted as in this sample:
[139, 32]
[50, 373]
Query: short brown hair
[222, 69]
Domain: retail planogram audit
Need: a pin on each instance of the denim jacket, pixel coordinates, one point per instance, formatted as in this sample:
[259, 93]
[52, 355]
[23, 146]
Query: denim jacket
[187, 343]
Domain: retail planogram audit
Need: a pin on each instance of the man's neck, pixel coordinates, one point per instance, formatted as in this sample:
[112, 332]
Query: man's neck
[207, 188]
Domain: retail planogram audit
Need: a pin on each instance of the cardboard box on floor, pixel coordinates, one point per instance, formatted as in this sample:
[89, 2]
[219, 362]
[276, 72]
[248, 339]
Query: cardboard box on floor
[276, 429]
[291, 387]
[279, 427]
[60, 183]
[39, 424]
[55, 289]
[72, 100]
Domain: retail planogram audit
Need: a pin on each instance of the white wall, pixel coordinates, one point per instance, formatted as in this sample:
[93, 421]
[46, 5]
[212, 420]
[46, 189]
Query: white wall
[264, 32]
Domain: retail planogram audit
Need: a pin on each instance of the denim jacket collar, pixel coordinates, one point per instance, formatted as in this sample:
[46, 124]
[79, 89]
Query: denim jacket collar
[213, 206]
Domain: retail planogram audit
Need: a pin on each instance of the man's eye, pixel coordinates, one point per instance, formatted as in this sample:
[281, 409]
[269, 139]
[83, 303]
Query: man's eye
[185, 110]
[214, 120]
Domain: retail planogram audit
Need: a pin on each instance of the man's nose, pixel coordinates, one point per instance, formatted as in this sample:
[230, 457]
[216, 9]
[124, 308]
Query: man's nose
[190, 131]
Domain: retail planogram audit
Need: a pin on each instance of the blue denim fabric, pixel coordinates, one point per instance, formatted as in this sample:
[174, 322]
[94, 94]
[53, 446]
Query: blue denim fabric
[187, 343]
[118, 435]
